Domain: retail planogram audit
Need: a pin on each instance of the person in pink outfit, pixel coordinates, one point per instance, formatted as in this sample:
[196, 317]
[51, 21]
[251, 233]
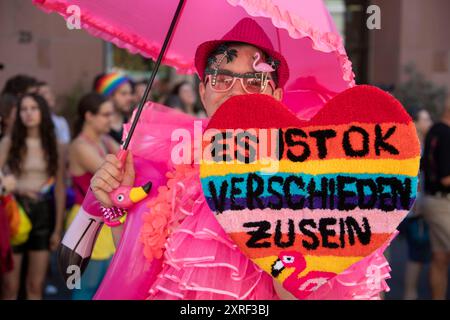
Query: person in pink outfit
[198, 259]
[233, 57]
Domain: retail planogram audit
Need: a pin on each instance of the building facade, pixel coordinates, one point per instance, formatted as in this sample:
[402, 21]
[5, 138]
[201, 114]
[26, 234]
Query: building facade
[412, 31]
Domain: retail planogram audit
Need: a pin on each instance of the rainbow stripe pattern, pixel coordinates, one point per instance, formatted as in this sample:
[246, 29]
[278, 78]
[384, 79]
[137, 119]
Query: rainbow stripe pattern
[324, 195]
[107, 84]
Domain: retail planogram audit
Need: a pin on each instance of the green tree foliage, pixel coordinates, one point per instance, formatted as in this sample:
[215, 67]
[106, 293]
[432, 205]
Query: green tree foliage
[418, 92]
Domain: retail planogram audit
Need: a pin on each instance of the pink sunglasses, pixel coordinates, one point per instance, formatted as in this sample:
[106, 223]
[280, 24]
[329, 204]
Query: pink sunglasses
[224, 80]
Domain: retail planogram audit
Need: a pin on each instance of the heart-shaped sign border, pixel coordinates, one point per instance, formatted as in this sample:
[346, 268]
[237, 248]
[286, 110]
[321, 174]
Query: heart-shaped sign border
[331, 191]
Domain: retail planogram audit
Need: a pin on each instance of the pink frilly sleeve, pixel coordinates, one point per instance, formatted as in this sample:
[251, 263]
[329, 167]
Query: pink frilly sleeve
[129, 275]
[364, 280]
[201, 262]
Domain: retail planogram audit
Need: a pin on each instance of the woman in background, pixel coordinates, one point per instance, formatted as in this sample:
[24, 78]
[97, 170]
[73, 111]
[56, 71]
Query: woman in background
[32, 155]
[61, 126]
[416, 229]
[86, 154]
[139, 90]
[183, 97]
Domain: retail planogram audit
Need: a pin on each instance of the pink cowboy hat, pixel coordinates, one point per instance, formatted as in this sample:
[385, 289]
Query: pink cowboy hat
[248, 31]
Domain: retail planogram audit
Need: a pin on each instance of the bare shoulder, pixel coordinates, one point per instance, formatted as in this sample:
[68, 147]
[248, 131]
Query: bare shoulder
[79, 147]
[79, 144]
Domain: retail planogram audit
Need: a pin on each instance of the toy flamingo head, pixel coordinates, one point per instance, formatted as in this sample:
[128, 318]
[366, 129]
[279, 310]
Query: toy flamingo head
[125, 197]
[288, 259]
[262, 66]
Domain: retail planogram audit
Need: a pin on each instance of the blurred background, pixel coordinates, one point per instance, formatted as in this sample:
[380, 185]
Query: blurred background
[410, 53]
[409, 57]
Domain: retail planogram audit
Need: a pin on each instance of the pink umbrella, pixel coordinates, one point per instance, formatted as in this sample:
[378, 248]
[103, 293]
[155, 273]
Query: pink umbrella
[301, 30]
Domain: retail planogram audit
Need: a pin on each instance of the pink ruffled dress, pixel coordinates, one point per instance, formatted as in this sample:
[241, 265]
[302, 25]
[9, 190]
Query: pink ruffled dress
[200, 261]
[174, 248]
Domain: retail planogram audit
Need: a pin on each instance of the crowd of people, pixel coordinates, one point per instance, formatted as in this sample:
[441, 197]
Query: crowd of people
[46, 169]
[46, 165]
[427, 227]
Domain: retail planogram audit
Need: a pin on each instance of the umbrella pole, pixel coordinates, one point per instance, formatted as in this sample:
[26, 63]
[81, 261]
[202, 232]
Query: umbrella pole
[153, 75]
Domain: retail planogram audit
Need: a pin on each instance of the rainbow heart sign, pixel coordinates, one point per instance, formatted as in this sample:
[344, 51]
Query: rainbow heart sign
[305, 200]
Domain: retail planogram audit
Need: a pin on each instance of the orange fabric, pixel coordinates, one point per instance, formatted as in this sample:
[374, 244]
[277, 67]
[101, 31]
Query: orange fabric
[356, 250]
[12, 213]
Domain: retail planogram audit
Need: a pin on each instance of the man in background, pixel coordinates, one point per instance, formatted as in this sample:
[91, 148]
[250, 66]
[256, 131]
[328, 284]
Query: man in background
[62, 130]
[436, 205]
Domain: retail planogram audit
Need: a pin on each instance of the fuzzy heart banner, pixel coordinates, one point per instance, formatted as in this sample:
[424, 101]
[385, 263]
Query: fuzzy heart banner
[305, 200]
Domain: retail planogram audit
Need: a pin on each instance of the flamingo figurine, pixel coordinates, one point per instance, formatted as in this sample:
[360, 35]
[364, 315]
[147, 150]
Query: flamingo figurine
[302, 286]
[76, 247]
[126, 197]
[262, 66]
[78, 242]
